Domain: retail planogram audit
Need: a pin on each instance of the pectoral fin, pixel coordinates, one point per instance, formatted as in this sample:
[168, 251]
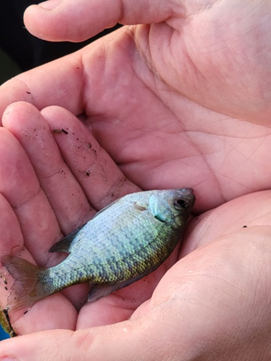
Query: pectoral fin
[139, 206]
[64, 244]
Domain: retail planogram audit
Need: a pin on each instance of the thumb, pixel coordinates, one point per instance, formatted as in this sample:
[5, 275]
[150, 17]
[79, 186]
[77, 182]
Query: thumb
[123, 341]
[61, 20]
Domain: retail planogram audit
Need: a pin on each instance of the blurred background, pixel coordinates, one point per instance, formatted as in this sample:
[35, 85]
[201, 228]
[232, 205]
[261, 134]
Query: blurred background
[20, 51]
[8, 68]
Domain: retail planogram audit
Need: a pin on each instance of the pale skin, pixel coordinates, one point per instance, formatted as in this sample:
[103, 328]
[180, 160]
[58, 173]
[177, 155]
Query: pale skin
[183, 102]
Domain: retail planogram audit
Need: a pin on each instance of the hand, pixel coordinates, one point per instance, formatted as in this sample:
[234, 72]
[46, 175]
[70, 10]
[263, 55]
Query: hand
[165, 126]
[211, 302]
[208, 95]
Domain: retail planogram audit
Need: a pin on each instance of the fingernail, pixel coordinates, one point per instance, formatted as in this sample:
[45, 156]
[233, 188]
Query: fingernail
[50, 5]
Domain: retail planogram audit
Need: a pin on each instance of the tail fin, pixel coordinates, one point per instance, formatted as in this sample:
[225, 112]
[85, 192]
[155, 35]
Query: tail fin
[27, 288]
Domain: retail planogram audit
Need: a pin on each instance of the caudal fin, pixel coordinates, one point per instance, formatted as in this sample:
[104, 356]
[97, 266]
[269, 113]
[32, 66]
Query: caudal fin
[27, 288]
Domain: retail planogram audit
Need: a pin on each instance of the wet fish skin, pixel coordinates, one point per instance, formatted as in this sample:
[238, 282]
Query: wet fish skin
[124, 242]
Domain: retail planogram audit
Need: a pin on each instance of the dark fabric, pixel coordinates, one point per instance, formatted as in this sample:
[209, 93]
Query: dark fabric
[26, 50]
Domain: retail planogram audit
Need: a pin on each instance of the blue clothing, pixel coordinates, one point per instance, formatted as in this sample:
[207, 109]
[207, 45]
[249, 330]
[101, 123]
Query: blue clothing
[3, 334]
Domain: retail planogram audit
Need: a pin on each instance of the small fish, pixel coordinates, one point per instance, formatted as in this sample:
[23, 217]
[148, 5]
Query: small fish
[124, 242]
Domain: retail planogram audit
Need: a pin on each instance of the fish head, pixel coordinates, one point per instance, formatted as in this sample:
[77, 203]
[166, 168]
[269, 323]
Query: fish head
[172, 206]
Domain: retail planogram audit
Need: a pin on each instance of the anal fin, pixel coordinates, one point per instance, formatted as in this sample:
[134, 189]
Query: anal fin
[101, 290]
[98, 291]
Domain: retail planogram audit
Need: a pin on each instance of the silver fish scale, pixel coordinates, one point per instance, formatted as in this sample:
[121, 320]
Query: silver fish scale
[121, 244]
[109, 251]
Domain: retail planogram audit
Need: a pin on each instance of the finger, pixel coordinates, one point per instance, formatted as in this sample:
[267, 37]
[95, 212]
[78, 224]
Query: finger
[65, 195]
[98, 175]
[121, 340]
[46, 84]
[20, 186]
[11, 240]
[51, 20]
[28, 220]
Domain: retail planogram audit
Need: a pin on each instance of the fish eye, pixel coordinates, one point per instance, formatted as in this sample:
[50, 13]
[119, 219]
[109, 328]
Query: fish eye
[180, 204]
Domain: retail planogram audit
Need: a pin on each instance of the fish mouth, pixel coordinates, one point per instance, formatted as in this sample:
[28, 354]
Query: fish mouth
[188, 194]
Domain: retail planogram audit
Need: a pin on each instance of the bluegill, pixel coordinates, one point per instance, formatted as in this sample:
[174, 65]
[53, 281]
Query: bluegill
[124, 242]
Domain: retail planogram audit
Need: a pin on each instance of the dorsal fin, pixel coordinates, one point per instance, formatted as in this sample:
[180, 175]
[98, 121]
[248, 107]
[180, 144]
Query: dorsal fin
[64, 244]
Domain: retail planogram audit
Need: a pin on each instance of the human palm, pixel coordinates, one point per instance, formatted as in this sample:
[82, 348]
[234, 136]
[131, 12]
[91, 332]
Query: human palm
[170, 106]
